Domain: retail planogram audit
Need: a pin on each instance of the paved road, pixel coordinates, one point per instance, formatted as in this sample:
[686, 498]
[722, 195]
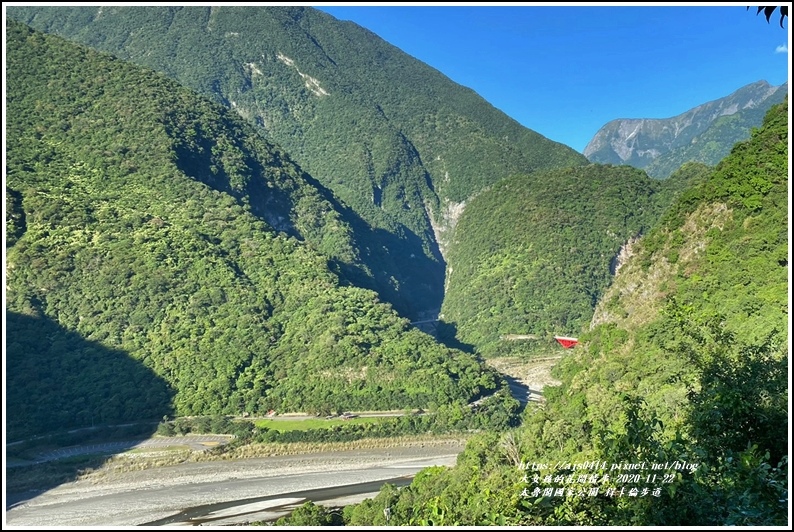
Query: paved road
[196, 442]
[284, 416]
[75, 431]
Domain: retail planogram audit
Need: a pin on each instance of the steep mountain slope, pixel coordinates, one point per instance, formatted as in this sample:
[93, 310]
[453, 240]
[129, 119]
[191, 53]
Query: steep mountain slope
[705, 133]
[716, 141]
[146, 220]
[728, 234]
[673, 409]
[534, 252]
[396, 140]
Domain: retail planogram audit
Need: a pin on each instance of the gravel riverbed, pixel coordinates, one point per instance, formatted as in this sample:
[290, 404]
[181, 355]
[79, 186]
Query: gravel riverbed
[137, 497]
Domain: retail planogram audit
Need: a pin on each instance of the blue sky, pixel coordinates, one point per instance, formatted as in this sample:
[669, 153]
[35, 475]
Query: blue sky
[564, 70]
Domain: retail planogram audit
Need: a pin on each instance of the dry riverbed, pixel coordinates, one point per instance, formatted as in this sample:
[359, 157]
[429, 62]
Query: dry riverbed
[183, 486]
[117, 495]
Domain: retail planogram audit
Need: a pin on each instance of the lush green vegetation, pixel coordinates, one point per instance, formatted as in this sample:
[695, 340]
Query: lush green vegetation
[57, 378]
[309, 514]
[726, 239]
[284, 425]
[537, 257]
[535, 251]
[664, 376]
[497, 412]
[15, 216]
[393, 138]
[148, 230]
[164, 259]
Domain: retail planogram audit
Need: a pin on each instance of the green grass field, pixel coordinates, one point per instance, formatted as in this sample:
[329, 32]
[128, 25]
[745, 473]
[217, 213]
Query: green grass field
[284, 425]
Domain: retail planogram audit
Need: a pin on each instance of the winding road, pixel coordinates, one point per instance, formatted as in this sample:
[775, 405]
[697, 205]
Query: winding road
[195, 442]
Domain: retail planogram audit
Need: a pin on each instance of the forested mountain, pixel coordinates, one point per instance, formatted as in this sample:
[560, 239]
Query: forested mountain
[685, 367]
[153, 223]
[535, 251]
[705, 133]
[396, 140]
[163, 256]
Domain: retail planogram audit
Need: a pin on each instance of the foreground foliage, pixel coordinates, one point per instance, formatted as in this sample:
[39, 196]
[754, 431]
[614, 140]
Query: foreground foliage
[665, 377]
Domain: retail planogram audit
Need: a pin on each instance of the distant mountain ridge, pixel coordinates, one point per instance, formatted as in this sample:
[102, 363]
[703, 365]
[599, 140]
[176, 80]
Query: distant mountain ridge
[701, 134]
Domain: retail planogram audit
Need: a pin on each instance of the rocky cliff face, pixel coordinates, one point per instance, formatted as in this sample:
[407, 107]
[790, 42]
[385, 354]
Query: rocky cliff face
[640, 142]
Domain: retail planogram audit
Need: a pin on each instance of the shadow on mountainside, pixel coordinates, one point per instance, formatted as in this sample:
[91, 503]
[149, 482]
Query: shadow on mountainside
[447, 334]
[57, 382]
[402, 273]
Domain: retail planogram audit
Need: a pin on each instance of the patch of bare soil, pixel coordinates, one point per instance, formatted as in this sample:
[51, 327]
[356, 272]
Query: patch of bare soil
[533, 373]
